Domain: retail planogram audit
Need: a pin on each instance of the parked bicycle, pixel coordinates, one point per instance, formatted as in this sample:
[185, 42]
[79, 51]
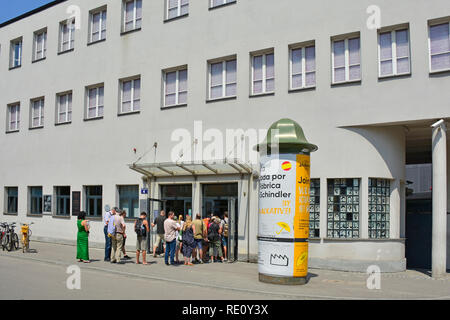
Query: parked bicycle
[26, 234]
[10, 239]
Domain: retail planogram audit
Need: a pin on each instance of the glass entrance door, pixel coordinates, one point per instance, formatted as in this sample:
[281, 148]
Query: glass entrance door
[177, 198]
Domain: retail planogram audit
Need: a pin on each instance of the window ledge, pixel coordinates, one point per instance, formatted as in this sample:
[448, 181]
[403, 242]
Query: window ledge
[96, 41]
[437, 72]
[10, 214]
[92, 119]
[35, 215]
[261, 95]
[94, 218]
[128, 113]
[174, 106]
[222, 5]
[221, 99]
[62, 123]
[65, 217]
[35, 128]
[12, 131]
[301, 89]
[176, 18]
[393, 76]
[363, 239]
[66, 51]
[130, 31]
[343, 83]
[38, 60]
[16, 67]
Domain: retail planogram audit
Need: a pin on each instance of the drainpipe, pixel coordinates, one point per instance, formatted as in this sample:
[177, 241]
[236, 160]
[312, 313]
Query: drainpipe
[248, 217]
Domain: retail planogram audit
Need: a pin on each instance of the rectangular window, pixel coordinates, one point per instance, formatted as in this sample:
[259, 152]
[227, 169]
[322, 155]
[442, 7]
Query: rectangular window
[40, 45]
[35, 196]
[303, 67]
[62, 201]
[16, 53]
[95, 105]
[64, 108]
[37, 113]
[14, 117]
[97, 25]
[130, 95]
[393, 48]
[343, 208]
[263, 73]
[379, 208]
[67, 35]
[222, 79]
[346, 60]
[129, 200]
[177, 8]
[94, 201]
[314, 209]
[132, 16]
[216, 3]
[175, 87]
[12, 194]
[439, 38]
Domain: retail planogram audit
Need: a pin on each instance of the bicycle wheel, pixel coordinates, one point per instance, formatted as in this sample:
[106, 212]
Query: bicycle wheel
[15, 241]
[9, 243]
[5, 242]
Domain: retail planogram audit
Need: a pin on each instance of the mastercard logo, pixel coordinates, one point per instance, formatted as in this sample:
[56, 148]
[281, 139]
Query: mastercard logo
[286, 166]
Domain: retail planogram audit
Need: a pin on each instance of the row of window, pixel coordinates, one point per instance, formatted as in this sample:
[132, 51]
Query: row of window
[60, 205]
[132, 20]
[343, 205]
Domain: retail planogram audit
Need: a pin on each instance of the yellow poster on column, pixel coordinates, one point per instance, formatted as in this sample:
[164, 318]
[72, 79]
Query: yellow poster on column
[301, 218]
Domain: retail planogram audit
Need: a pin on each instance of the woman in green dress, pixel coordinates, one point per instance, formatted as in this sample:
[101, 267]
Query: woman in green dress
[82, 238]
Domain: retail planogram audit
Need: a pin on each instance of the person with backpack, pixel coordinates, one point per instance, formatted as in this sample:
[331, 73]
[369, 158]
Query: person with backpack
[116, 229]
[214, 233]
[224, 226]
[141, 228]
[199, 235]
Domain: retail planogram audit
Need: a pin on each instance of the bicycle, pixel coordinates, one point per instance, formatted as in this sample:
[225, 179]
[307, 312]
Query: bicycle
[10, 239]
[26, 234]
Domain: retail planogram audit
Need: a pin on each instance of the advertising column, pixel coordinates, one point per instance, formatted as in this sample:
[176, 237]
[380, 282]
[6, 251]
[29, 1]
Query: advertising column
[284, 185]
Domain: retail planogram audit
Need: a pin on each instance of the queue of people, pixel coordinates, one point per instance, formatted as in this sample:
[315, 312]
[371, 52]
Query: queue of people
[199, 240]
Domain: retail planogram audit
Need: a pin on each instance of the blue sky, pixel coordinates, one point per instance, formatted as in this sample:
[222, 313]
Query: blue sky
[10, 9]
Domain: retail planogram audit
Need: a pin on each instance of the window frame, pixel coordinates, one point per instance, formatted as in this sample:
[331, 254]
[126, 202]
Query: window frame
[132, 101]
[346, 39]
[224, 3]
[97, 88]
[70, 23]
[431, 24]
[66, 201]
[179, 6]
[264, 72]
[32, 198]
[135, 19]
[92, 13]
[96, 198]
[177, 88]
[58, 106]
[378, 212]
[7, 210]
[224, 82]
[13, 58]
[393, 31]
[35, 45]
[41, 101]
[303, 47]
[9, 119]
[129, 198]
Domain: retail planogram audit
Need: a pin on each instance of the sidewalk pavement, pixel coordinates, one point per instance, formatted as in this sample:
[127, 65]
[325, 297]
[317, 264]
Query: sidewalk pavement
[242, 277]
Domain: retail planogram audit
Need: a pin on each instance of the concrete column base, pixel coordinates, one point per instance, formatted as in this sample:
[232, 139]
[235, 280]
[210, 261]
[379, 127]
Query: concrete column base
[289, 281]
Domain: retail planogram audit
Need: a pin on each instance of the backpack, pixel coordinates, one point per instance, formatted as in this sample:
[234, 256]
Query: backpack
[112, 226]
[213, 232]
[140, 229]
[225, 229]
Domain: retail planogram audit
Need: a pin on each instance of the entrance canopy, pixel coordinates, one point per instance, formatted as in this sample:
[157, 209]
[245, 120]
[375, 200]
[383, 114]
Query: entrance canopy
[172, 169]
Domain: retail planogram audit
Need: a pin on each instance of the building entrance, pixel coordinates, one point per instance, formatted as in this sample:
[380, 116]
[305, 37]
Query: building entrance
[177, 198]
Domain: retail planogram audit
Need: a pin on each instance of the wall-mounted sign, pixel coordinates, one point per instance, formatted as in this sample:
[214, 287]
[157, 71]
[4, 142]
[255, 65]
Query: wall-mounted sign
[144, 190]
[76, 203]
[47, 203]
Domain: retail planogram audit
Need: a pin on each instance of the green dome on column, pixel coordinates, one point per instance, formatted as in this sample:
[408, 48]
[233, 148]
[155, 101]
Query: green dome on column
[290, 137]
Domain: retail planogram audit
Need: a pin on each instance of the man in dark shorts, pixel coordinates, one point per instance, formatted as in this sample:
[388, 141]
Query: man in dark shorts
[159, 223]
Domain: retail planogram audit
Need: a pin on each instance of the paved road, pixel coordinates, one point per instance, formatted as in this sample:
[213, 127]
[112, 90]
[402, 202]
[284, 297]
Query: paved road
[42, 275]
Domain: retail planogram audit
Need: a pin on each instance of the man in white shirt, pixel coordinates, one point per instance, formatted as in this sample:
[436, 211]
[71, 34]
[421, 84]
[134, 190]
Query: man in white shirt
[170, 234]
[108, 243]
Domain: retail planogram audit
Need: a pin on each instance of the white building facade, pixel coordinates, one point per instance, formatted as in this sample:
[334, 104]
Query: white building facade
[103, 101]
